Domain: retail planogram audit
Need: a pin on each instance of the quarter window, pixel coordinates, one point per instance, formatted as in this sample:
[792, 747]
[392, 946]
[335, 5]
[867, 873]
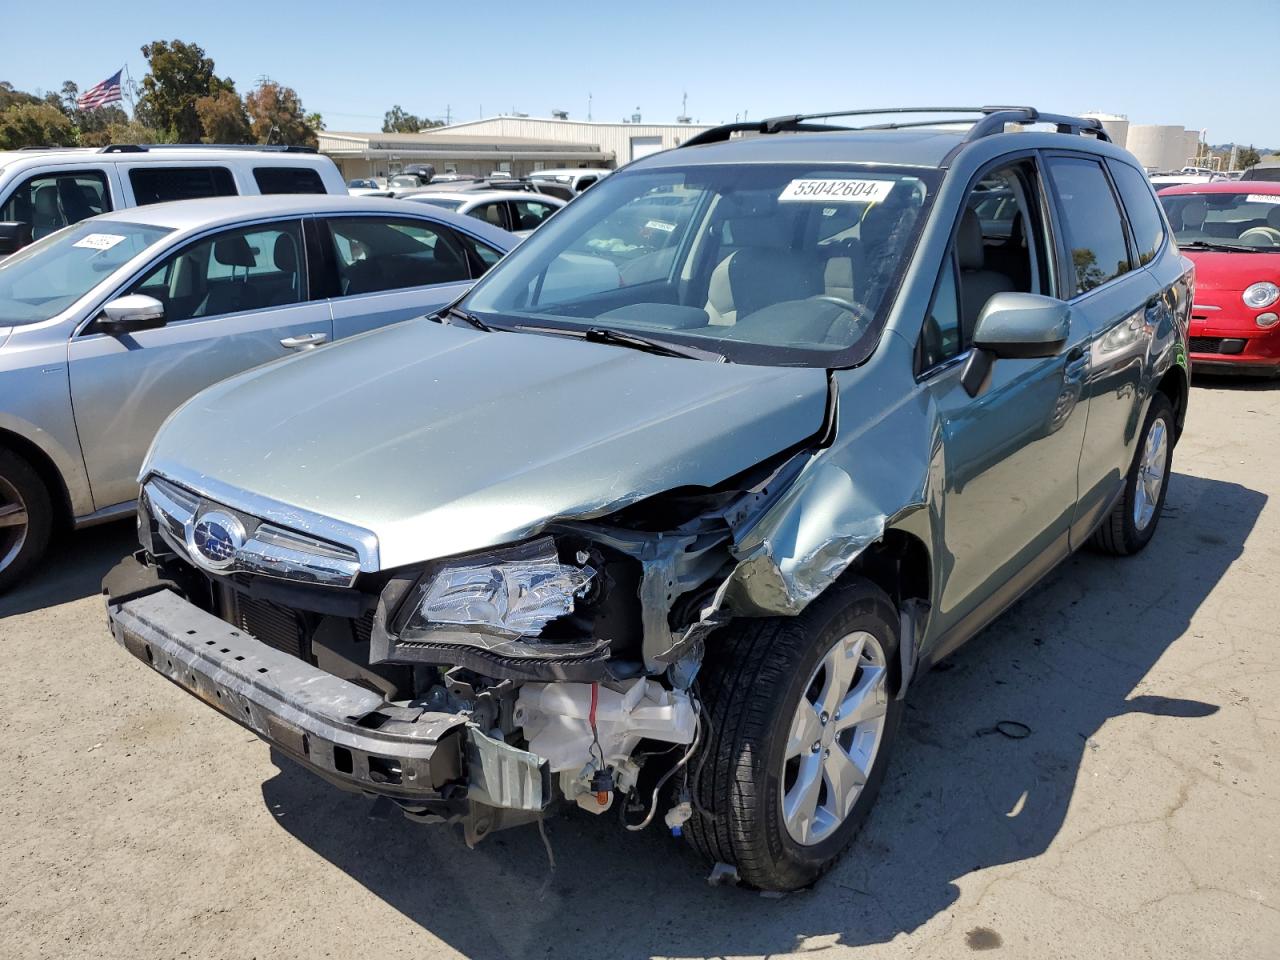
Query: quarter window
[51, 201]
[253, 268]
[287, 180]
[1140, 205]
[1094, 228]
[530, 213]
[153, 184]
[374, 255]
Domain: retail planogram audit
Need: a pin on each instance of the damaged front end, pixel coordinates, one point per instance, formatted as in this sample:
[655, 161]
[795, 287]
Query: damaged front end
[478, 689]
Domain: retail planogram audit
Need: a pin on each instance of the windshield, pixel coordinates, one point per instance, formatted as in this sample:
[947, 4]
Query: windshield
[780, 264]
[42, 280]
[1245, 220]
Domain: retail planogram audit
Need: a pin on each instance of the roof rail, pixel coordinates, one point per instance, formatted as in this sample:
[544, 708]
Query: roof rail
[260, 147]
[991, 119]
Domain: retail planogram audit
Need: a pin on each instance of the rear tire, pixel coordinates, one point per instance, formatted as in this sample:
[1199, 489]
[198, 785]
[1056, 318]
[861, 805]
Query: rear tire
[26, 517]
[1133, 520]
[758, 683]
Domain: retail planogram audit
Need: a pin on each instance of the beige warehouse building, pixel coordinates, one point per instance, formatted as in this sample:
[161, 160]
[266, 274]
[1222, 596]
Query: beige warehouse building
[514, 145]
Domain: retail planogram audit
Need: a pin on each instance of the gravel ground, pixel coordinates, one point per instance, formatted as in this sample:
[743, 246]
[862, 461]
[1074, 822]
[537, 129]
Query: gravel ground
[1138, 819]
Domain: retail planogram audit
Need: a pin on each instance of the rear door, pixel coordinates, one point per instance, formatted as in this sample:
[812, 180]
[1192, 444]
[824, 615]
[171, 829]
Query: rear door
[386, 269]
[233, 300]
[1118, 300]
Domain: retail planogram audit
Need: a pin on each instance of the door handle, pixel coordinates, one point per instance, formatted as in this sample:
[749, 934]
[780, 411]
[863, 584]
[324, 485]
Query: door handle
[304, 340]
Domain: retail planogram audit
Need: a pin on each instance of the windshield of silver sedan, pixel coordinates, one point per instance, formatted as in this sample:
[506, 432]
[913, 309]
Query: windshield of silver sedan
[779, 263]
[42, 280]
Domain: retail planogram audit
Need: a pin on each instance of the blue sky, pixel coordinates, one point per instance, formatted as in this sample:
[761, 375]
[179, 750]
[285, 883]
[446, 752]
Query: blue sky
[1163, 62]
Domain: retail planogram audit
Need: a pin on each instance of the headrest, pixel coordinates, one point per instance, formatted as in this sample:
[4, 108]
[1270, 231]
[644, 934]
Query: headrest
[755, 232]
[46, 199]
[973, 255]
[234, 252]
[1193, 213]
[1273, 217]
[285, 254]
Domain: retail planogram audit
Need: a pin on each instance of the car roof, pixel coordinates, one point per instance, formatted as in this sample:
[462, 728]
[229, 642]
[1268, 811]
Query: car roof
[481, 196]
[569, 171]
[168, 154]
[906, 147]
[1269, 187]
[185, 215]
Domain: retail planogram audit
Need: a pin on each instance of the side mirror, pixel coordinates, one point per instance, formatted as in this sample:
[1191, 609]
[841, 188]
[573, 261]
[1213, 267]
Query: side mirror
[135, 311]
[14, 235]
[1015, 326]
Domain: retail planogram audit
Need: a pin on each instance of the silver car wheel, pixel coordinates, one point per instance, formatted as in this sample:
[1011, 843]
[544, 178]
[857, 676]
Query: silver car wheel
[13, 523]
[834, 737]
[1151, 469]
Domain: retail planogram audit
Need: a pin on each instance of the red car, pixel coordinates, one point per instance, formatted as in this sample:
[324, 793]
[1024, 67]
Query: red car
[1232, 232]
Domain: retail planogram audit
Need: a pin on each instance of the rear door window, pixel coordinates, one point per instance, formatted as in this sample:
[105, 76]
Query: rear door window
[288, 180]
[1140, 204]
[375, 254]
[155, 184]
[51, 201]
[490, 213]
[1094, 227]
[529, 214]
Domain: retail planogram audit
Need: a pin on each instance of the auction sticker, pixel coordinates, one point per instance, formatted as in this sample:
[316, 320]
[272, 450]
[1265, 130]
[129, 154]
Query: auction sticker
[837, 191]
[1263, 198]
[660, 225]
[98, 241]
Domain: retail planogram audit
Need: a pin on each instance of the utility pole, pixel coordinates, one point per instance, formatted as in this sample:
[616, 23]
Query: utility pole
[588, 106]
[448, 116]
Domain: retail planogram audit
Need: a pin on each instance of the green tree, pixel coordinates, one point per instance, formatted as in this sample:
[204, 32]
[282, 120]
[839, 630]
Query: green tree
[315, 121]
[10, 97]
[179, 75]
[276, 116]
[1248, 157]
[223, 118]
[35, 125]
[396, 120]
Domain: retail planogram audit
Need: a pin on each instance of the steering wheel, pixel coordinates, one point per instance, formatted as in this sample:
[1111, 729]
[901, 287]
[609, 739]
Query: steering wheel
[1270, 233]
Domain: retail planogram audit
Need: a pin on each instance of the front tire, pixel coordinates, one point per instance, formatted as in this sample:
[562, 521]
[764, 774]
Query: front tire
[26, 517]
[1132, 521]
[802, 714]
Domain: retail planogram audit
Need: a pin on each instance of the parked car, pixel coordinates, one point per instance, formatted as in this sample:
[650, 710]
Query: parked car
[42, 191]
[1231, 229]
[576, 180]
[366, 188]
[681, 546]
[464, 184]
[403, 183]
[109, 324]
[518, 213]
[1267, 170]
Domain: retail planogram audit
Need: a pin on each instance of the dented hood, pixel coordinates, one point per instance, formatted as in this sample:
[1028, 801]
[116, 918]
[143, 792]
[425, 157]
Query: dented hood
[435, 440]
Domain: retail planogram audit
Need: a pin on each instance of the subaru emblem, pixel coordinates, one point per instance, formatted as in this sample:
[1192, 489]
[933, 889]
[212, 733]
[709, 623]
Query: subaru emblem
[214, 539]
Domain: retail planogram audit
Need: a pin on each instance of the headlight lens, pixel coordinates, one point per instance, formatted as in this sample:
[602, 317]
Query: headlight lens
[497, 599]
[1261, 294]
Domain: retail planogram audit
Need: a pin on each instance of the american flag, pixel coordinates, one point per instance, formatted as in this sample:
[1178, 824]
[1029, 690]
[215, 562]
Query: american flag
[108, 91]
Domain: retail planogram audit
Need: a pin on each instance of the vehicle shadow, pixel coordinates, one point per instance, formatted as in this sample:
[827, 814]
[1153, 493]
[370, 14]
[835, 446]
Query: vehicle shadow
[1234, 381]
[1063, 661]
[73, 568]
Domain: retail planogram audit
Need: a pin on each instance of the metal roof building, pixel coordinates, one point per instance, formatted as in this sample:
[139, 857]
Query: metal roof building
[623, 141]
[468, 152]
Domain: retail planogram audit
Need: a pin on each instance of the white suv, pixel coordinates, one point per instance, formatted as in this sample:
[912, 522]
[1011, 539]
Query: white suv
[45, 190]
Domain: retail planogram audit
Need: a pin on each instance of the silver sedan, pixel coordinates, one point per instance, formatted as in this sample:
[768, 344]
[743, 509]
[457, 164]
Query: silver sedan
[110, 324]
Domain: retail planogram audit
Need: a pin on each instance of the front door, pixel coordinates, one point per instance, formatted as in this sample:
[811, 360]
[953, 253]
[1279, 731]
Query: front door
[1010, 454]
[232, 301]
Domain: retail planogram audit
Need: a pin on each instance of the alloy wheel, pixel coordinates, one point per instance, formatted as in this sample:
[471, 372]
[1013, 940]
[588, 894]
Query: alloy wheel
[13, 523]
[1151, 470]
[834, 737]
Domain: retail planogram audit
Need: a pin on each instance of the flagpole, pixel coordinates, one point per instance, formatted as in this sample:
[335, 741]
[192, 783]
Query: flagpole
[129, 87]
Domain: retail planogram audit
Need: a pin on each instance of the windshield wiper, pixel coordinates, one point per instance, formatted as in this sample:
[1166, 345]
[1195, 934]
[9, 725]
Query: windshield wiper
[663, 348]
[469, 318]
[1232, 247]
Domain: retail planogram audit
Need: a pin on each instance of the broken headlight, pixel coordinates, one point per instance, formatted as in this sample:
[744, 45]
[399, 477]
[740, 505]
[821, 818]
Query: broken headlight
[500, 601]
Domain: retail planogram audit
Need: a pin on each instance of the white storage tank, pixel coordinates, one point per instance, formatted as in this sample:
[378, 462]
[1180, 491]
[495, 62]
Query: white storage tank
[1160, 147]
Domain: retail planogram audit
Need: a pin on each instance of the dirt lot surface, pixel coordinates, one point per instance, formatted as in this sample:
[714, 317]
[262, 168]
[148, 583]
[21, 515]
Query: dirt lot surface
[1140, 818]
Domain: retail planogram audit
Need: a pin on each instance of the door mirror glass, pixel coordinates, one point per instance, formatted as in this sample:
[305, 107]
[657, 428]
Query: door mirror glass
[13, 237]
[134, 311]
[1022, 326]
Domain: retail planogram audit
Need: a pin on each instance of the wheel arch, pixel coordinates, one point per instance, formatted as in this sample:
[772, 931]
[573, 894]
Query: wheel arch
[1175, 385]
[43, 465]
